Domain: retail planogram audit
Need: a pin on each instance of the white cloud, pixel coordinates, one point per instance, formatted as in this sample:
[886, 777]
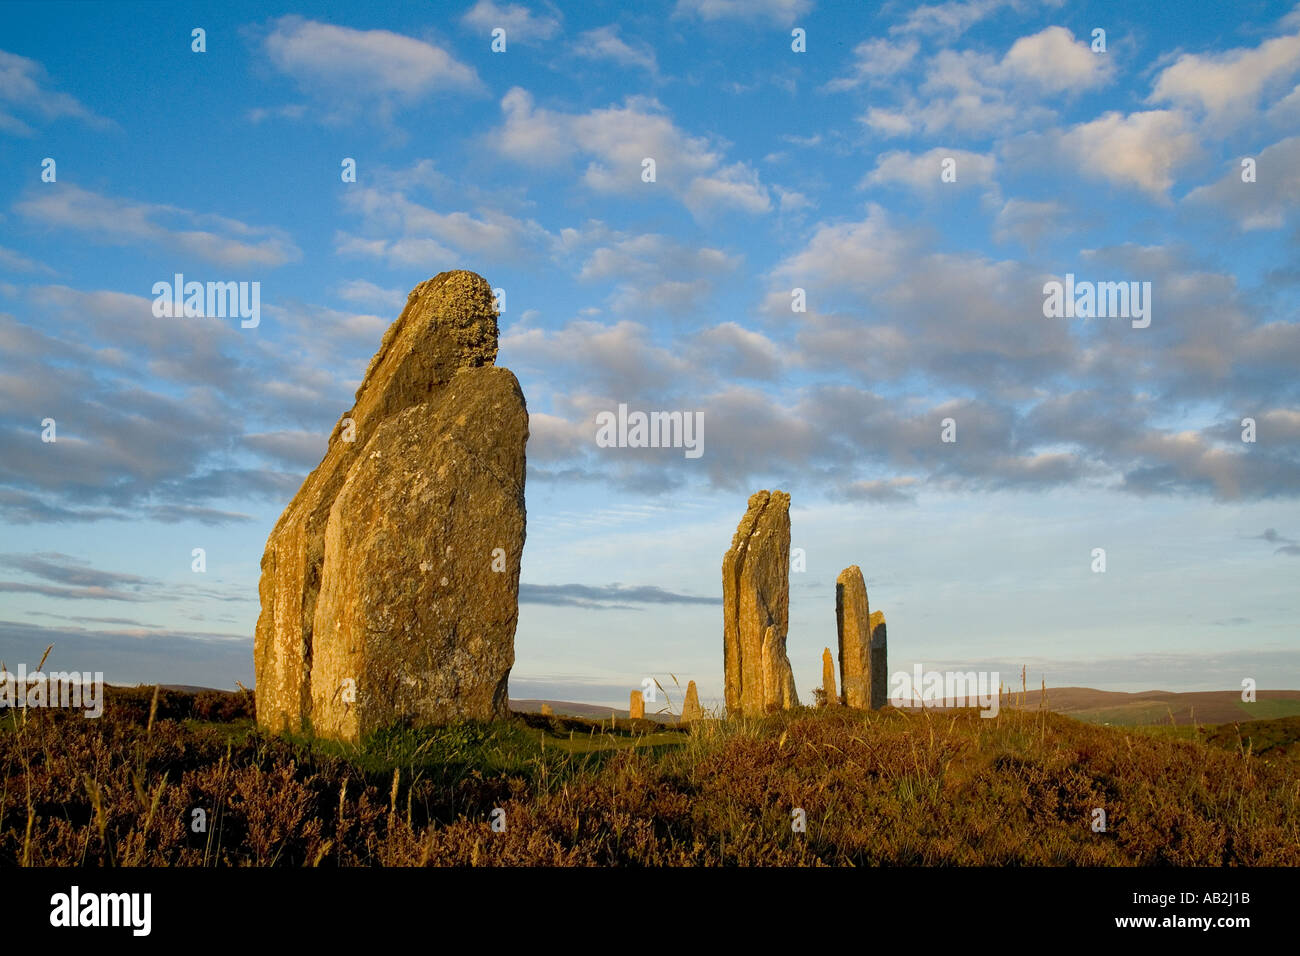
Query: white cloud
[124, 221]
[976, 93]
[778, 11]
[1229, 85]
[857, 255]
[921, 171]
[735, 186]
[521, 24]
[654, 273]
[551, 438]
[733, 350]
[1053, 61]
[615, 359]
[888, 122]
[876, 60]
[17, 262]
[604, 43]
[616, 139]
[1264, 203]
[23, 88]
[530, 135]
[349, 70]
[1028, 221]
[367, 293]
[411, 231]
[1140, 149]
[947, 21]
[426, 254]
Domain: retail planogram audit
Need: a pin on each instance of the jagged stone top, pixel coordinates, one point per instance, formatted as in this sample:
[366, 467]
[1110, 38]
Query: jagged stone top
[761, 511]
[449, 323]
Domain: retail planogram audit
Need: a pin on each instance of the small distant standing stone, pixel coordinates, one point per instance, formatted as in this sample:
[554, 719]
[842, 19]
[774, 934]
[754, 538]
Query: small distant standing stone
[691, 709]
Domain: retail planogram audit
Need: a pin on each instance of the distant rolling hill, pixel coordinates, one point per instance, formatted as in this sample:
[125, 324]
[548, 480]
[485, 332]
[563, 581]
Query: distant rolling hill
[1162, 706]
[567, 708]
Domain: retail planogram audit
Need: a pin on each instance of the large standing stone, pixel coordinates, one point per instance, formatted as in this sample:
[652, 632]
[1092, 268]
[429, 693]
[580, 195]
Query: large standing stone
[390, 584]
[851, 621]
[691, 708]
[879, 662]
[828, 679]
[636, 706]
[756, 609]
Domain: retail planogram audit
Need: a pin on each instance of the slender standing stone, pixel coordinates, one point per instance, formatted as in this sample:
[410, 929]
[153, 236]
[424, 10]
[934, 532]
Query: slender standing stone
[879, 662]
[851, 619]
[828, 679]
[636, 706]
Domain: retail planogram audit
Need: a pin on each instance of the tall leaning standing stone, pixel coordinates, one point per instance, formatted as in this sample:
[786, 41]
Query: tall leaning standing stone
[756, 609]
[852, 618]
[390, 584]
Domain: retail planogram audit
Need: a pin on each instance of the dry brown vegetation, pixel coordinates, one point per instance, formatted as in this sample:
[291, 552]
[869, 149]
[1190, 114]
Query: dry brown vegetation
[890, 787]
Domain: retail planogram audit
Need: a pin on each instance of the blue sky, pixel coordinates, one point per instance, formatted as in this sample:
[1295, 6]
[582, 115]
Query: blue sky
[775, 170]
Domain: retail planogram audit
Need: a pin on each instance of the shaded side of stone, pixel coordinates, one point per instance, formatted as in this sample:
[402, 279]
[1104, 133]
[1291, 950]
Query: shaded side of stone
[879, 676]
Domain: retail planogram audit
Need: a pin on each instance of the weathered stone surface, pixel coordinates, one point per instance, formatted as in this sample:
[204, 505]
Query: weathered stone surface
[879, 662]
[851, 622]
[756, 600]
[828, 678]
[636, 706]
[380, 601]
[546, 711]
[691, 708]
[731, 565]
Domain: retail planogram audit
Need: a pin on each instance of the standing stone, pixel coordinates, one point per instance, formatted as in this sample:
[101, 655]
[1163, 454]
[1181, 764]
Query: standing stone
[756, 609]
[691, 708]
[636, 706]
[546, 711]
[778, 677]
[828, 679]
[732, 562]
[879, 662]
[390, 584]
[851, 622]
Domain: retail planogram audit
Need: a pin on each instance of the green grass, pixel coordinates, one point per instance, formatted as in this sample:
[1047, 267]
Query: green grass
[1270, 709]
[1125, 715]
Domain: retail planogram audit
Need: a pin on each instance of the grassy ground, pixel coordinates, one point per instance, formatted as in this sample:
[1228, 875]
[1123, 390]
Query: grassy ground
[890, 787]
